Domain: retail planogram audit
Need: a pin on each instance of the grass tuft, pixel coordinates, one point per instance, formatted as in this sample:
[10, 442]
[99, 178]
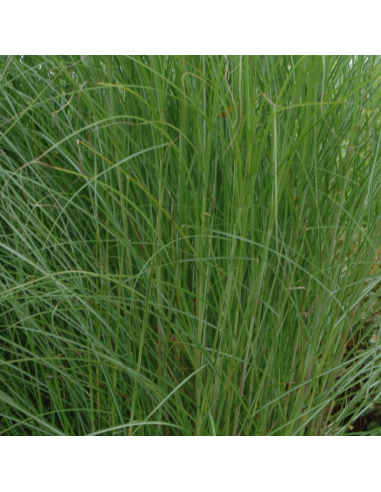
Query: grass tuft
[190, 245]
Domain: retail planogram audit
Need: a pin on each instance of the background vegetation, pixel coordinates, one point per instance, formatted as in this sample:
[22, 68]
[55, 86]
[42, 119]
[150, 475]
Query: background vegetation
[189, 245]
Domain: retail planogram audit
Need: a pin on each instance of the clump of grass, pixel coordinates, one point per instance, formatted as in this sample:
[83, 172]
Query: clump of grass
[188, 244]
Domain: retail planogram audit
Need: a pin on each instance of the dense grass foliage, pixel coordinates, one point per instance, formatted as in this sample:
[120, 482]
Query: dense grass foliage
[188, 244]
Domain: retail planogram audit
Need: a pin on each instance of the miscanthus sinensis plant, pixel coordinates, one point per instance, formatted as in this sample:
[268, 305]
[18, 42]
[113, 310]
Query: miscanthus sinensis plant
[188, 244]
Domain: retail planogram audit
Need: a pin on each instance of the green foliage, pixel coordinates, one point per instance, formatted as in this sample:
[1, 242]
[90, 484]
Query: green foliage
[188, 244]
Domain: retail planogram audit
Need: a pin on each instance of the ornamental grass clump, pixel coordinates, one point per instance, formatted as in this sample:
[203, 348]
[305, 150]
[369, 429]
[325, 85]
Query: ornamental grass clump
[189, 244]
